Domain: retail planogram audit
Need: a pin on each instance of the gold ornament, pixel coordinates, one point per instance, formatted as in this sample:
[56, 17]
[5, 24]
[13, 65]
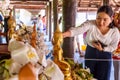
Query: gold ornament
[33, 35]
[11, 26]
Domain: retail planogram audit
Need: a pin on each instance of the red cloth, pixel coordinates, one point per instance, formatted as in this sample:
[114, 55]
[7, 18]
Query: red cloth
[116, 57]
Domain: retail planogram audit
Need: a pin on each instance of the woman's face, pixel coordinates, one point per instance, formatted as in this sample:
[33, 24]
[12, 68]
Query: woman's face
[103, 19]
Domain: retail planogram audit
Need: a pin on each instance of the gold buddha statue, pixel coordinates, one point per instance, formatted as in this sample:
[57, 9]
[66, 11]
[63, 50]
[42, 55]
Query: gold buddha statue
[58, 54]
[11, 26]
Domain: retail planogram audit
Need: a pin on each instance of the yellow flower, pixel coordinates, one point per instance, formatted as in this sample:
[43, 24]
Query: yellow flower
[31, 55]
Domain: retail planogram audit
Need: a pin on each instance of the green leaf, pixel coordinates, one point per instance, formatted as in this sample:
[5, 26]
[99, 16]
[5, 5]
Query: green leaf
[4, 67]
[6, 74]
[8, 63]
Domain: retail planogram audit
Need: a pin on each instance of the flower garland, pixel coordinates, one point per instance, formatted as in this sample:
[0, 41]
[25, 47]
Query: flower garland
[117, 19]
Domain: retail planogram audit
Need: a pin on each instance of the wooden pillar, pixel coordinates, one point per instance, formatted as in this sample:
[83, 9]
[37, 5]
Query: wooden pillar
[55, 13]
[69, 19]
[49, 20]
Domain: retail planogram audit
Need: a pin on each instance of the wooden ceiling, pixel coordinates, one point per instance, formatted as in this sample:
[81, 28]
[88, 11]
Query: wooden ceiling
[29, 4]
[91, 5]
[35, 5]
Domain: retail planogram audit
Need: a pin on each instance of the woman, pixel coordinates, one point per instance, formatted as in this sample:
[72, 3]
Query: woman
[102, 39]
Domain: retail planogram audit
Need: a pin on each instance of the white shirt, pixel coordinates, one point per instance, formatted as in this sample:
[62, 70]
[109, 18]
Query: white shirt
[111, 38]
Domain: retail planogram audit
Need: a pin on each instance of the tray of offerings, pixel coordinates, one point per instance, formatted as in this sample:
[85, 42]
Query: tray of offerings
[116, 54]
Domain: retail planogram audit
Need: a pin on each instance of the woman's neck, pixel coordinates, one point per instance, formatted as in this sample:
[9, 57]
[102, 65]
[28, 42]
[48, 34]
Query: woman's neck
[104, 30]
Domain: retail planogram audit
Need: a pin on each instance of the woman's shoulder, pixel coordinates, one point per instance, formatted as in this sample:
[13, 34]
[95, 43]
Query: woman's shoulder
[115, 29]
[91, 22]
[88, 25]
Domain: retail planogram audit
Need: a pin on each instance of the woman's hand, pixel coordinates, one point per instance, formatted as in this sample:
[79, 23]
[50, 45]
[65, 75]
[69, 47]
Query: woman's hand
[97, 45]
[66, 34]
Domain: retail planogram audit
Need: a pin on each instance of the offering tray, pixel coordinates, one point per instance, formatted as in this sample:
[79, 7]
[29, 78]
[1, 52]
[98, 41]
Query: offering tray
[116, 54]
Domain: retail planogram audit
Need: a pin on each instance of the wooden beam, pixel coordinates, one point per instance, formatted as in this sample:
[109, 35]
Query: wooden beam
[29, 0]
[29, 7]
[81, 9]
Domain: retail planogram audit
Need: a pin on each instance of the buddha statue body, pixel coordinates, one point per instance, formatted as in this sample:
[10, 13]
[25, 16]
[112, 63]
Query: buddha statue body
[58, 57]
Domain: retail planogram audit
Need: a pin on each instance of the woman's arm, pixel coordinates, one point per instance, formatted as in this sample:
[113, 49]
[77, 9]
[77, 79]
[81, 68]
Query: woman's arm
[74, 31]
[67, 34]
[97, 45]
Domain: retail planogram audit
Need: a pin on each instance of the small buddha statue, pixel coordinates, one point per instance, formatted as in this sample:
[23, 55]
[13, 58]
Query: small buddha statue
[11, 26]
[33, 36]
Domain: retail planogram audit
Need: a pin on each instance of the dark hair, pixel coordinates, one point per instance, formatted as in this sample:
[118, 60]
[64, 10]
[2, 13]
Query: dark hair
[108, 10]
[44, 16]
[60, 19]
[39, 15]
